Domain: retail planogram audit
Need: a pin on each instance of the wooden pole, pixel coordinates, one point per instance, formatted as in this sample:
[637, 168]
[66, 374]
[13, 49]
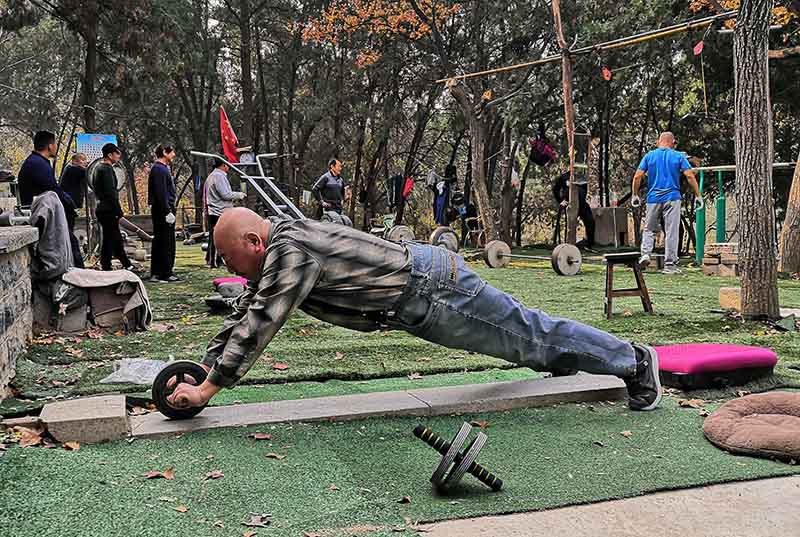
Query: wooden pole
[569, 123]
[608, 45]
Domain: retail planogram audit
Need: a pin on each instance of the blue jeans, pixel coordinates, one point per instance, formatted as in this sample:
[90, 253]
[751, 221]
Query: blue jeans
[447, 303]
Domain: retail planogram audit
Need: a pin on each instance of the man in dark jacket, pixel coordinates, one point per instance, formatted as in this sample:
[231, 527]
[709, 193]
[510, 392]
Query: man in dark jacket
[108, 210]
[561, 195]
[36, 176]
[330, 190]
[73, 182]
[161, 197]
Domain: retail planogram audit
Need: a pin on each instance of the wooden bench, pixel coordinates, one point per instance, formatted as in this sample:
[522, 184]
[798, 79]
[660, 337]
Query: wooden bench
[629, 259]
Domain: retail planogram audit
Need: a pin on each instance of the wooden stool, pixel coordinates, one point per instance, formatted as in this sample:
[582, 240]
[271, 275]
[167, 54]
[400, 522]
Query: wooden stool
[629, 259]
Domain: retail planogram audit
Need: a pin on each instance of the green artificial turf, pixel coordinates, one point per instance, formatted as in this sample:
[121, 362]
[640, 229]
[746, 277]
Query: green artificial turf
[316, 351]
[548, 457]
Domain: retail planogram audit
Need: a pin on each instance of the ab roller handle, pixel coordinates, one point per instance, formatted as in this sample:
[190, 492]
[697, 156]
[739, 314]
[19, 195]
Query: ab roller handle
[163, 386]
[443, 446]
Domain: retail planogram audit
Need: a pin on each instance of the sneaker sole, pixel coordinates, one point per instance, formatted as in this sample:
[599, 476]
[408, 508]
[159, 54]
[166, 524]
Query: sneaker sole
[653, 365]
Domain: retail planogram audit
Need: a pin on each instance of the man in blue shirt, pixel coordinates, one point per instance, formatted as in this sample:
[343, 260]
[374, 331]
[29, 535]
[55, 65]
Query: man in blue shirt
[663, 167]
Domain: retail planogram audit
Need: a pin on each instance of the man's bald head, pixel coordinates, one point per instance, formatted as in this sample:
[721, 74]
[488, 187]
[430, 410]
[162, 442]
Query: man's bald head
[240, 237]
[666, 139]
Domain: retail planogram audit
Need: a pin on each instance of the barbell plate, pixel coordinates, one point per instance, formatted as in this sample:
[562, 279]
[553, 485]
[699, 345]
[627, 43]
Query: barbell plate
[400, 233]
[450, 456]
[469, 457]
[445, 237]
[566, 260]
[496, 253]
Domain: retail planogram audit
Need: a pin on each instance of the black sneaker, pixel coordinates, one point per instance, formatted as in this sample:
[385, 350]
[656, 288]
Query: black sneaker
[644, 388]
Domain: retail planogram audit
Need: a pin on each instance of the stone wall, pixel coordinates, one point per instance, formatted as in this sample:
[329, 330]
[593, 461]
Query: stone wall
[16, 317]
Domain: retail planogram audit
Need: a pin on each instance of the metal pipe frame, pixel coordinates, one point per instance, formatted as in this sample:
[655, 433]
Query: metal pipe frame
[251, 180]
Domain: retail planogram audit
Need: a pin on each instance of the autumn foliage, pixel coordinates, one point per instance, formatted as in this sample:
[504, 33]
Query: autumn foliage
[374, 19]
[780, 14]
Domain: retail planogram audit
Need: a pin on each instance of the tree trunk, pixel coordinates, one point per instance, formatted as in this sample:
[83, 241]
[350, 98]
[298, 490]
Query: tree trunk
[88, 96]
[478, 130]
[569, 124]
[520, 201]
[754, 151]
[507, 190]
[790, 234]
[357, 173]
[245, 52]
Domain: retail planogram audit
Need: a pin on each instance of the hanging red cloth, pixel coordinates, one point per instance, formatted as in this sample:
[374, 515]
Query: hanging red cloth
[408, 187]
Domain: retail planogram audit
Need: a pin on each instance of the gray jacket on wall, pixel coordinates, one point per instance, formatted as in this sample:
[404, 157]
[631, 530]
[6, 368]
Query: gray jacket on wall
[52, 255]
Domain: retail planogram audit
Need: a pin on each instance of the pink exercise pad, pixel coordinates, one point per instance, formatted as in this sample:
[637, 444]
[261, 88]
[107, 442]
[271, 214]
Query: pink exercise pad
[219, 281]
[696, 365]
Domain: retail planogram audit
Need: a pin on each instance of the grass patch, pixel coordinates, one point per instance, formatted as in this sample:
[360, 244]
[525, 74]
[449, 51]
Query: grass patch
[548, 457]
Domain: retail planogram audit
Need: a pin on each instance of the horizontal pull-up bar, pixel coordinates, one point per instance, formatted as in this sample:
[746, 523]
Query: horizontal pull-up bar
[732, 167]
[608, 45]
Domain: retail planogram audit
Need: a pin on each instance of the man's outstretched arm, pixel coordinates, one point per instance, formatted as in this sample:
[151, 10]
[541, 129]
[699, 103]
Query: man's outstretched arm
[289, 276]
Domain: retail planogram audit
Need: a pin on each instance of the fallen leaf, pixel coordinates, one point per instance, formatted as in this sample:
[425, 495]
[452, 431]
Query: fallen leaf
[311, 534]
[162, 327]
[414, 376]
[338, 356]
[74, 352]
[181, 508]
[166, 499]
[94, 333]
[169, 474]
[28, 437]
[72, 446]
[333, 487]
[742, 393]
[280, 366]
[691, 403]
[249, 534]
[215, 474]
[404, 499]
[275, 456]
[138, 411]
[483, 424]
[260, 436]
[626, 434]
[627, 313]
[257, 521]
[43, 341]
[598, 443]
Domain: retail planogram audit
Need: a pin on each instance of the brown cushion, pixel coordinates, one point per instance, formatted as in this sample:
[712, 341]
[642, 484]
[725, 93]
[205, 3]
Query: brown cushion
[764, 425]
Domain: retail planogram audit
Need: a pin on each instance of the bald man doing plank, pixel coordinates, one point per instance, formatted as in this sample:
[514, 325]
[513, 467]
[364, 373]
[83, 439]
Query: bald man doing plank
[353, 279]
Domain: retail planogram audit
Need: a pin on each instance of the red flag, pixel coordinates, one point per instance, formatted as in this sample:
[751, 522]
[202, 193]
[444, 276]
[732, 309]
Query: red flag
[698, 48]
[229, 140]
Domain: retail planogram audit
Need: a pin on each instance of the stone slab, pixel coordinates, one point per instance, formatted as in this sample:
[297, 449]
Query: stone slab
[15, 237]
[339, 408]
[500, 396]
[765, 508]
[87, 420]
[730, 298]
[425, 402]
